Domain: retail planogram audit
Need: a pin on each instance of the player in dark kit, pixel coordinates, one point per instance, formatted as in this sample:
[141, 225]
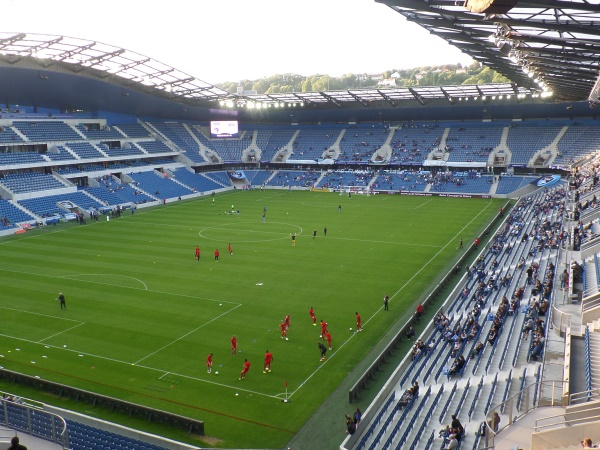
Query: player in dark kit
[197, 253]
[323, 350]
[61, 299]
[245, 369]
[386, 300]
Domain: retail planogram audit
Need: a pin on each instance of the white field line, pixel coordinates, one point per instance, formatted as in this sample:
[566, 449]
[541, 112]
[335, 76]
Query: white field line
[75, 277]
[185, 335]
[61, 332]
[423, 204]
[120, 286]
[395, 294]
[39, 314]
[154, 369]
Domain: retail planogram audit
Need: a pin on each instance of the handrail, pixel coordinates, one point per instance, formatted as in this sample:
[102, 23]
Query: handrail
[549, 393]
[584, 395]
[564, 422]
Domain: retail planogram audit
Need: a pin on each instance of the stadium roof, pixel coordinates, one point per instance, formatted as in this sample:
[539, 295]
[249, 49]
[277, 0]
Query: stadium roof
[107, 62]
[548, 44]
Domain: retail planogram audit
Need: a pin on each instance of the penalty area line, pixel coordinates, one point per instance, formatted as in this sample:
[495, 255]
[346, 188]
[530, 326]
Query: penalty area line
[153, 369]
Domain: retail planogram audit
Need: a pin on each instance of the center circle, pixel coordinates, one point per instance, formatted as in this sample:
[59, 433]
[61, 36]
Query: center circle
[250, 232]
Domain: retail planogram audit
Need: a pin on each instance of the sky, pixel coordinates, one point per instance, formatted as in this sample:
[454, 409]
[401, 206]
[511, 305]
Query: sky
[232, 40]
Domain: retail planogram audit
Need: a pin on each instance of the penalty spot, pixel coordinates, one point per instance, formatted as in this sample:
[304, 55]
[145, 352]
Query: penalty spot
[259, 284]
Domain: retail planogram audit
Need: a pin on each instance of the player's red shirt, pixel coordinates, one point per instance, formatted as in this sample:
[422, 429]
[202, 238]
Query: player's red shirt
[287, 320]
[197, 252]
[358, 321]
[268, 357]
[283, 327]
[328, 337]
[323, 326]
[217, 253]
[246, 366]
[209, 360]
[311, 312]
[233, 342]
[229, 248]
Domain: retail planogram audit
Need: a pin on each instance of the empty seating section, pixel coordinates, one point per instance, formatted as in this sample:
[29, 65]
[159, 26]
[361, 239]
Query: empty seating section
[159, 186]
[257, 177]
[294, 178]
[219, 177]
[506, 185]
[229, 149]
[86, 437]
[360, 142]
[178, 134]
[59, 153]
[47, 131]
[524, 140]
[47, 206]
[401, 181]
[133, 130]
[472, 143]
[271, 141]
[10, 214]
[195, 180]
[84, 150]
[337, 179]
[126, 150]
[498, 326]
[10, 158]
[30, 182]
[578, 141]
[113, 192]
[8, 136]
[413, 142]
[100, 133]
[312, 141]
[154, 146]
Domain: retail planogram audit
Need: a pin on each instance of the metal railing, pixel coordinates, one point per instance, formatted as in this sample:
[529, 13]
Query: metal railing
[35, 421]
[535, 395]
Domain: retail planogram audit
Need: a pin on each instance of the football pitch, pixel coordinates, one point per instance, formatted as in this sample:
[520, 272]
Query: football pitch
[142, 313]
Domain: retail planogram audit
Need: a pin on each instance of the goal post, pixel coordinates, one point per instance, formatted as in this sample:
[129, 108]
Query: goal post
[352, 190]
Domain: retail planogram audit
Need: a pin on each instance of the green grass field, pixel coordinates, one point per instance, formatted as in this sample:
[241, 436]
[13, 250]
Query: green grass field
[143, 314]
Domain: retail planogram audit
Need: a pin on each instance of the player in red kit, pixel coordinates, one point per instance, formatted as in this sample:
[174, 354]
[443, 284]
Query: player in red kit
[268, 360]
[233, 345]
[311, 312]
[197, 253]
[230, 249]
[323, 329]
[209, 363]
[245, 369]
[284, 328]
[287, 321]
[328, 337]
[217, 255]
[358, 327]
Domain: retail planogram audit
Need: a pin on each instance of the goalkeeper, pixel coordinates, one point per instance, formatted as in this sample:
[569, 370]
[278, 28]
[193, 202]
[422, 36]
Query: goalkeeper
[61, 299]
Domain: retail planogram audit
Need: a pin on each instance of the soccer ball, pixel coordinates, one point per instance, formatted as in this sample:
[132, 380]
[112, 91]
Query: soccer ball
[217, 372]
[350, 329]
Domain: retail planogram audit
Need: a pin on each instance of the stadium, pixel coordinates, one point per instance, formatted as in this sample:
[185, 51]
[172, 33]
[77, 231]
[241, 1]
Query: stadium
[420, 262]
